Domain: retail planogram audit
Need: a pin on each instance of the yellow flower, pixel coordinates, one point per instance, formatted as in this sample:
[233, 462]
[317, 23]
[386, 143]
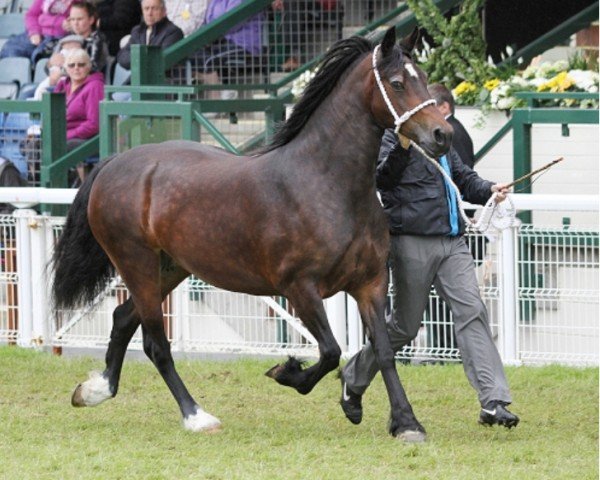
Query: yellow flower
[491, 84]
[464, 87]
[559, 83]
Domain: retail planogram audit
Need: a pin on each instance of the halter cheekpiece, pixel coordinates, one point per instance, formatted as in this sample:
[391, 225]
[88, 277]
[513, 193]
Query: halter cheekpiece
[398, 119]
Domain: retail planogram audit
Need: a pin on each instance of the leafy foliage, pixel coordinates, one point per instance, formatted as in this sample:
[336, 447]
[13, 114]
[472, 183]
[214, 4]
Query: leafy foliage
[460, 50]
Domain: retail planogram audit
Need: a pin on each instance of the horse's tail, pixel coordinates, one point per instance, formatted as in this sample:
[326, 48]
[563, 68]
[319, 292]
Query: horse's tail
[81, 268]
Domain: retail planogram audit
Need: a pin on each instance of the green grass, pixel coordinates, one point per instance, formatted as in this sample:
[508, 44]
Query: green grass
[272, 432]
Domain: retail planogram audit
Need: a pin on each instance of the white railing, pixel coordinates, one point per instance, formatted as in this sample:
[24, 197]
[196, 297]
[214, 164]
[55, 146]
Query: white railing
[540, 286]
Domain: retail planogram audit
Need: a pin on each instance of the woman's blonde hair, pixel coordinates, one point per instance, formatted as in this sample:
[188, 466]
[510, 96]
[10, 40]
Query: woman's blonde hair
[78, 55]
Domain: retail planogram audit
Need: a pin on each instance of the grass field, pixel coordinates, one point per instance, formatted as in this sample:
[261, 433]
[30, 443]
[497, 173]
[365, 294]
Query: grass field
[271, 432]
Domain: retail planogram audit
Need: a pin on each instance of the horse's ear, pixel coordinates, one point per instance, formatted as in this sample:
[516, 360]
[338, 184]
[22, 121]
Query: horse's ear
[388, 42]
[409, 42]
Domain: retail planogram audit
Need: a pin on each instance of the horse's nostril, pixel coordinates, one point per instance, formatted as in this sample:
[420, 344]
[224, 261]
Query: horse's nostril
[439, 136]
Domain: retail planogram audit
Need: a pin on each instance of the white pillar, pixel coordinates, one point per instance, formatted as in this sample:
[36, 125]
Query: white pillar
[41, 317]
[24, 293]
[355, 327]
[335, 307]
[508, 299]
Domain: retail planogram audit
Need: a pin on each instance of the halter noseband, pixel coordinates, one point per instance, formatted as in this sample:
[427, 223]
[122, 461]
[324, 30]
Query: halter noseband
[398, 119]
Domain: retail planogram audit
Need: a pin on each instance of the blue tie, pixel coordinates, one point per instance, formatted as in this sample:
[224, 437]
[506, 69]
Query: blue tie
[450, 198]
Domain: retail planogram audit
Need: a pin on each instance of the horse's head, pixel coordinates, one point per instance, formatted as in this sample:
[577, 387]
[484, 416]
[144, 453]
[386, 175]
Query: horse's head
[400, 98]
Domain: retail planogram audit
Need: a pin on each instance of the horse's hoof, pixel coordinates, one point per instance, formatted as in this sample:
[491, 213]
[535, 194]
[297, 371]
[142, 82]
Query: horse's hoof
[92, 392]
[76, 398]
[275, 372]
[412, 436]
[202, 422]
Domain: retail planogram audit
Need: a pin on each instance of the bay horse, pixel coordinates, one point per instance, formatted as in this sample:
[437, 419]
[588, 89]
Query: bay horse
[301, 219]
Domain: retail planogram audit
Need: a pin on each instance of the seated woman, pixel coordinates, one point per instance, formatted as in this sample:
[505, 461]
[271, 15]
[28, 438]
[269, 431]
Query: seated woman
[45, 22]
[84, 90]
[220, 61]
[55, 65]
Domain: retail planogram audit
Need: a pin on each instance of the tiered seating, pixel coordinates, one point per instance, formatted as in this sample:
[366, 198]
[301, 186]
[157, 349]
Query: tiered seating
[15, 72]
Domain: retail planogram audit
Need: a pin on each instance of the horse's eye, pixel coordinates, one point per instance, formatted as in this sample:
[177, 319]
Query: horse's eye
[396, 85]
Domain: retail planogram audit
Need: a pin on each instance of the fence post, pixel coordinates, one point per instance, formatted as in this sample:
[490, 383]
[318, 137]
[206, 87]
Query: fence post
[335, 307]
[508, 296]
[354, 325]
[40, 254]
[25, 336]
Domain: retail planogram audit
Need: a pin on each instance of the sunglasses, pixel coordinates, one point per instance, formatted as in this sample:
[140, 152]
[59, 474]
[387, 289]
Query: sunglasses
[78, 64]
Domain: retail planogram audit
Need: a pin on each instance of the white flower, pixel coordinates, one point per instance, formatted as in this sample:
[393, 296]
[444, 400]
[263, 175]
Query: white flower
[505, 103]
[584, 79]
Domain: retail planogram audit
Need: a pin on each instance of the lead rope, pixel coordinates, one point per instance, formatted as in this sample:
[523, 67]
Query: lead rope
[494, 214]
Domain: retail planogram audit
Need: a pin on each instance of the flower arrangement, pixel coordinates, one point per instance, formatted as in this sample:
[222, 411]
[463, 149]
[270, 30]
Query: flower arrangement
[498, 94]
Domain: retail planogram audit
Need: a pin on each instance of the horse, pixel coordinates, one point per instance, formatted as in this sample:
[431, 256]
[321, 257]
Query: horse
[299, 219]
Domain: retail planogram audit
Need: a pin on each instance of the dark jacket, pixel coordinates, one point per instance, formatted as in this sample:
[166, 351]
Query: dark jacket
[413, 191]
[164, 34]
[461, 142]
[117, 18]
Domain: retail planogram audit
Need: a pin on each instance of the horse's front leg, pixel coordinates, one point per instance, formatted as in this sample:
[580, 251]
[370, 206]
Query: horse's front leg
[371, 304]
[309, 307]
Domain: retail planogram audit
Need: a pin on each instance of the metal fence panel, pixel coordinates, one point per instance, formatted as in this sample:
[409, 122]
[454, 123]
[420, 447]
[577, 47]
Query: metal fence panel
[540, 285]
[9, 280]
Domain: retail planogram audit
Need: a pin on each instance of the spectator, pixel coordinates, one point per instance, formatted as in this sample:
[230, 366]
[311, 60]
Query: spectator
[46, 21]
[55, 65]
[83, 19]
[214, 62]
[155, 29]
[297, 18]
[116, 18]
[186, 15]
[84, 90]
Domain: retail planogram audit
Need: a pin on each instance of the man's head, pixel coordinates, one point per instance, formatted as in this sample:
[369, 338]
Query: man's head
[443, 98]
[153, 11]
[83, 17]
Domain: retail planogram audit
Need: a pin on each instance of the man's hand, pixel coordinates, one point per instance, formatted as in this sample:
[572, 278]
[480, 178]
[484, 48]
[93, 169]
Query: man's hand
[501, 190]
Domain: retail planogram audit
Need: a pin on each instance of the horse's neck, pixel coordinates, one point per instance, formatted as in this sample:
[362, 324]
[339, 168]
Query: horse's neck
[341, 137]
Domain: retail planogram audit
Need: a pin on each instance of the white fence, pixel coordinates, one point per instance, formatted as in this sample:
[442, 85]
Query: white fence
[541, 286]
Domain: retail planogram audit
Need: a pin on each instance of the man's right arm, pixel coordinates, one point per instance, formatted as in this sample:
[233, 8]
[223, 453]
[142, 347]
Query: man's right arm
[391, 162]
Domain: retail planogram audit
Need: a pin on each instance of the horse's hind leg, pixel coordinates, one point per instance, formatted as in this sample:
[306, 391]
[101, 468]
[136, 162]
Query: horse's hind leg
[147, 293]
[309, 307]
[100, 387]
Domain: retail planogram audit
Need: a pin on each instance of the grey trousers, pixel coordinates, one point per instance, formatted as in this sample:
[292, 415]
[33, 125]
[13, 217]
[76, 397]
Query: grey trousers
[417, 263]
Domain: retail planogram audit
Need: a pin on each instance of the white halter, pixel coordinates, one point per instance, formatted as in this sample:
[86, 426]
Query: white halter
[398, 119]
[494, 215]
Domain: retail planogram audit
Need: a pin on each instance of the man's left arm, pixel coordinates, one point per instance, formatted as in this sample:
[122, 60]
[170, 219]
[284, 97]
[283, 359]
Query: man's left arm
[474, 188]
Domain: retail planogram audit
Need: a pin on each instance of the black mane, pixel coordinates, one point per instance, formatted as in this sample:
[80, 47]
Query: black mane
[339, 57]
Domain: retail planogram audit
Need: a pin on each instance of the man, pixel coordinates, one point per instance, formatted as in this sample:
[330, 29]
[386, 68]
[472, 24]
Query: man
[427, 248]
[155, 29]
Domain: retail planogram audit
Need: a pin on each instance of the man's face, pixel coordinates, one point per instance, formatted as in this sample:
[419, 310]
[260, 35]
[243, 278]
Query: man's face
[153, 12]
[444, 108]
[81, 22]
